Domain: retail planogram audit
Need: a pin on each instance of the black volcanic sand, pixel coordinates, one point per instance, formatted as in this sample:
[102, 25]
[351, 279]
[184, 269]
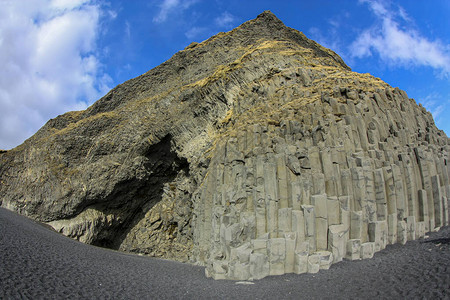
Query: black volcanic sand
[36, 263]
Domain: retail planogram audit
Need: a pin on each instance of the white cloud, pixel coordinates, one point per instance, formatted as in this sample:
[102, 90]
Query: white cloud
[225, 20]
[402, 13]
[112, 14]
[67, 4]
[195, 32]
[49, 63]
[397, 45]
[169, 6]
[127, 29]
[437, 105]
[377, 7]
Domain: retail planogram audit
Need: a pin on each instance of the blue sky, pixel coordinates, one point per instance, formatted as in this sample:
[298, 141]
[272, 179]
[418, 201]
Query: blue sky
[61, 55]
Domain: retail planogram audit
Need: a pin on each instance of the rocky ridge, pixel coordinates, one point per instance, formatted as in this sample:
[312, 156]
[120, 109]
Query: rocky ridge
[256, 152]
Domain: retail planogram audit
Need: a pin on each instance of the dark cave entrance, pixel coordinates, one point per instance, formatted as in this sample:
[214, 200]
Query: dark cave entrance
[131, 199]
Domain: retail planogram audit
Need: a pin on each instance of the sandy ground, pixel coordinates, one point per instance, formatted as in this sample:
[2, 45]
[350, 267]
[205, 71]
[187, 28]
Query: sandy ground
[37, 263]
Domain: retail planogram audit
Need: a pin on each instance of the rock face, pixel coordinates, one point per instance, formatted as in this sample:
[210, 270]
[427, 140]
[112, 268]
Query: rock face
[256, 152]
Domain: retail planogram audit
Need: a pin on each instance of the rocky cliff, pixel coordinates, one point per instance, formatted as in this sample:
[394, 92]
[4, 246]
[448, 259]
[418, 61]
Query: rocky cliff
[256, 152]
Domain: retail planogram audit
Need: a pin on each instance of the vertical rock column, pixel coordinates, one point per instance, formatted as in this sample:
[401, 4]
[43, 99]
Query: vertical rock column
[284, 202]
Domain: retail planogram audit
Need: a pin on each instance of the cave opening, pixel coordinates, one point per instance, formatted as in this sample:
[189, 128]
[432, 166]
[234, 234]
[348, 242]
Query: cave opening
[132, 199]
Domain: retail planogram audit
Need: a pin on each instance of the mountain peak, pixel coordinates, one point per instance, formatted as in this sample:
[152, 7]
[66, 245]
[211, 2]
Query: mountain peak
[268, 16]
[268, 27]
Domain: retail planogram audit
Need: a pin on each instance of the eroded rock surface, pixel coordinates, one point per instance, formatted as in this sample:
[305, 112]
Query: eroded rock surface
[257, 152]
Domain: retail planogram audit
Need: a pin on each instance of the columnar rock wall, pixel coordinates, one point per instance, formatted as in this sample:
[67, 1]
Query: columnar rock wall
[346, 176]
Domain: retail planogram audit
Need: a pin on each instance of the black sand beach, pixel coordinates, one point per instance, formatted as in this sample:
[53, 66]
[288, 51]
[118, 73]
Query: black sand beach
[37, 263]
